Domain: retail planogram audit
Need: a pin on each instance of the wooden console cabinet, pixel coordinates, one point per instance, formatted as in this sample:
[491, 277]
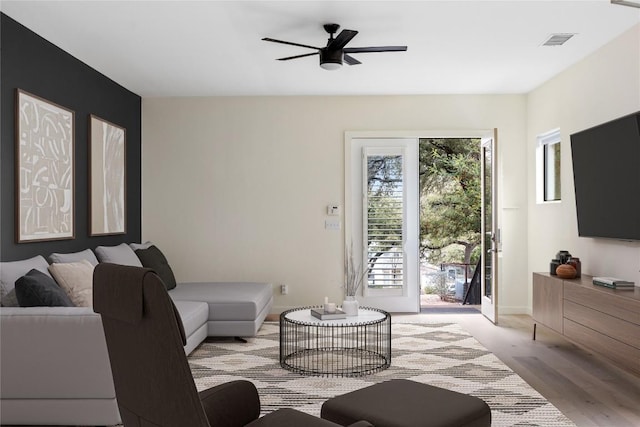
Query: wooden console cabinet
[604, 320]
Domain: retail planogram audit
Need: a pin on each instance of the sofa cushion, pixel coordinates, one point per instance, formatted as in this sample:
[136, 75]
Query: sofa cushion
[153, 258]
[57, 362]
[121, 254]
[76, 278]
[13, 270]
[193, 315]
[74, 257]
[36, 289]
[227, 301]
[406, 403]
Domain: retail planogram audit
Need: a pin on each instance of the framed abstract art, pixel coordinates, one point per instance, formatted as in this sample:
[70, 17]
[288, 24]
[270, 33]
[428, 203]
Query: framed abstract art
[44, 168]
[107, 177]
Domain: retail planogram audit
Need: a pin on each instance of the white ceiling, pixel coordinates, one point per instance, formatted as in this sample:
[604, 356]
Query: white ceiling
[205, 48]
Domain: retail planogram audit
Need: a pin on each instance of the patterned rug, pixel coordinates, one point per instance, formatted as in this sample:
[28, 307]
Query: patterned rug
[439, 354]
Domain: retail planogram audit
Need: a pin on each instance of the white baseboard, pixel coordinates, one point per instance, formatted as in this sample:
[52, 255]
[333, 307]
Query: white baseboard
[278, 309]
[514, 310]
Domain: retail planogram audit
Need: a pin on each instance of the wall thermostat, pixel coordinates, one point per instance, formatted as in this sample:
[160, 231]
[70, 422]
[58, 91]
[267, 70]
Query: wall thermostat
[333, 210]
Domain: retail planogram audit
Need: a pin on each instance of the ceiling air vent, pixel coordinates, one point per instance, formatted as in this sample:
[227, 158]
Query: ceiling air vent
[626, 3]
[557, 39]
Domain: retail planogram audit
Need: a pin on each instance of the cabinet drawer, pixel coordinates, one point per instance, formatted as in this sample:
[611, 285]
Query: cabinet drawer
[547, 301]
[603, 301]
[620, 330]
[623, 355]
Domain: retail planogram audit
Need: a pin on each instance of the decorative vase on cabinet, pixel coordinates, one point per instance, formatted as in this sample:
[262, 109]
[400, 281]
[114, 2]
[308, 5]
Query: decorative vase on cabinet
[575, 262]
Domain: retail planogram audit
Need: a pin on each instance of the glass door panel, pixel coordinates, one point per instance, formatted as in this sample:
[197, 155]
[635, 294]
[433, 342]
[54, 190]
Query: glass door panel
[490, 232]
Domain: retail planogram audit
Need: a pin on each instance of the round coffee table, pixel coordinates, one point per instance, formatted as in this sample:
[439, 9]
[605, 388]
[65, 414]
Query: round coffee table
[351, 347]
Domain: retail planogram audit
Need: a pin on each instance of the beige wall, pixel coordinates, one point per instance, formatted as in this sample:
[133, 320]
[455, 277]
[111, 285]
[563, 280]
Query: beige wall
[604, 86]
[236, 188]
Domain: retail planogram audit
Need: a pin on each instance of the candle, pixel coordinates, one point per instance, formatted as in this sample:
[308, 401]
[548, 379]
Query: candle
[330, 307]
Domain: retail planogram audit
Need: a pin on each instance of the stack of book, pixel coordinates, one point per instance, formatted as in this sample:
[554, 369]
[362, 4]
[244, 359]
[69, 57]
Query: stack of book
[325, 315]
[613, 283]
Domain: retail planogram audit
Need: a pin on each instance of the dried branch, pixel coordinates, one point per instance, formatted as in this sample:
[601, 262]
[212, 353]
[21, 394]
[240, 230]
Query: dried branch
[353, 274]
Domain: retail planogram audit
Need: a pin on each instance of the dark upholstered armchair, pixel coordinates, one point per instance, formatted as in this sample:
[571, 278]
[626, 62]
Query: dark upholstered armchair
[153, 383]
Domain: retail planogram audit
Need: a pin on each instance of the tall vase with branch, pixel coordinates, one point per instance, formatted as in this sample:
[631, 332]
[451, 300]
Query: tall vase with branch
[354, 275]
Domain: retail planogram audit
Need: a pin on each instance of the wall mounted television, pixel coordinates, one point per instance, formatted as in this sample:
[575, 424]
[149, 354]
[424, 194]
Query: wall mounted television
[606, 175]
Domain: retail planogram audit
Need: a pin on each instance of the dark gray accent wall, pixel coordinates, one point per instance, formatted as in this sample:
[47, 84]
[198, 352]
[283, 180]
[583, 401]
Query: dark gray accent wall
[31, 63]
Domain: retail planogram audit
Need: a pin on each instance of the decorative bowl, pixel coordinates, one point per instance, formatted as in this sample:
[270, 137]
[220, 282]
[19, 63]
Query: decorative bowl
[566, 271]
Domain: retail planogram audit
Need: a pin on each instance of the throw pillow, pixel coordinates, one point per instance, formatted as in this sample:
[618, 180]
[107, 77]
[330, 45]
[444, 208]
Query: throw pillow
[145, 245]
[13, 270]
[74, 257]
[76, 278]
[121, 254]
[10, 299]
[154, 259]
[36, 289]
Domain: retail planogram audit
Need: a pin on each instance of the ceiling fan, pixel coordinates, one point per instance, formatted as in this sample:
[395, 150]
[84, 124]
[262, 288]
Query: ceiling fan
[335, 52]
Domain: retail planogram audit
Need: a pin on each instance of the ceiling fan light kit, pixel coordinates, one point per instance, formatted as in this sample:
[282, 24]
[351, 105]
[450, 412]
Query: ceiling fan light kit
[334, 53]
[330, 59]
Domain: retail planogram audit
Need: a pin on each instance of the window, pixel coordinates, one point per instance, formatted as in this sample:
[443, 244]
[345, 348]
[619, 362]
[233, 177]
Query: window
[383, 221]
[549, 160]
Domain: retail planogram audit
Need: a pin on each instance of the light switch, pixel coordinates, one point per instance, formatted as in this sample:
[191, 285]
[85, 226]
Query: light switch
[332, 223]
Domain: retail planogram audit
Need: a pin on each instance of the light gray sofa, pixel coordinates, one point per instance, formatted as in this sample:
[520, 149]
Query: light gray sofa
[54, 367]
[232, 309]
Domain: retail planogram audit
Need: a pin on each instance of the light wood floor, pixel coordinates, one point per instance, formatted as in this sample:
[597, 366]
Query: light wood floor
[584, 386]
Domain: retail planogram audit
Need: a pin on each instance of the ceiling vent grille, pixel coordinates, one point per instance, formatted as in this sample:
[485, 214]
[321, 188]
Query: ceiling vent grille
[626, 3]
[557, 39]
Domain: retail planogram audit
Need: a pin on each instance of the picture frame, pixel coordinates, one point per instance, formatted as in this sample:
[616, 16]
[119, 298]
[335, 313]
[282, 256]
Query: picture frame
[44, 169]
[107, 177]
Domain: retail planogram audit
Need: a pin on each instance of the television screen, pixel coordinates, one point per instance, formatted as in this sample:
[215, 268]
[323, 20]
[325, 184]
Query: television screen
[606, 175]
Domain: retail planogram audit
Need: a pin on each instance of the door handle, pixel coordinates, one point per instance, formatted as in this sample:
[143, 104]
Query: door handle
[496, 239]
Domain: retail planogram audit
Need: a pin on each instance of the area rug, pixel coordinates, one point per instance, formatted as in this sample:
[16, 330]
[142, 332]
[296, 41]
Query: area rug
[440, 354]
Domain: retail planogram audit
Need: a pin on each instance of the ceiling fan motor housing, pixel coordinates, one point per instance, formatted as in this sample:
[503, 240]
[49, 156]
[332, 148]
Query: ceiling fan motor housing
[330, 59]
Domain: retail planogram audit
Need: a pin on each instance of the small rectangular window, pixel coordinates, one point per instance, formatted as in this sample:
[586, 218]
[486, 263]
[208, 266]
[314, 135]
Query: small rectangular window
[549, 169]
[552, 172]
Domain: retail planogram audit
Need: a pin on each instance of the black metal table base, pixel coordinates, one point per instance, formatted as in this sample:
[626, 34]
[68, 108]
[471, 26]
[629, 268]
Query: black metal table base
[344, 348]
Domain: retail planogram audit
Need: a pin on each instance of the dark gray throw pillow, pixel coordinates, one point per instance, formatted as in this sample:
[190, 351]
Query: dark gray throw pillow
[36, 289]
[154, 259]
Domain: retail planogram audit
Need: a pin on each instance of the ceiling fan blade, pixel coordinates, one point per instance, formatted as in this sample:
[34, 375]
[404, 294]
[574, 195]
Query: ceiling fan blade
[267, 39]
[351, 60]
[341, 41]
[297, 56]
[375, 49]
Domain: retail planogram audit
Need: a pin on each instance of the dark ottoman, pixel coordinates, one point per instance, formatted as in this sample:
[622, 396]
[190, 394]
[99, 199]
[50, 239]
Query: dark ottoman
[404, 403]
